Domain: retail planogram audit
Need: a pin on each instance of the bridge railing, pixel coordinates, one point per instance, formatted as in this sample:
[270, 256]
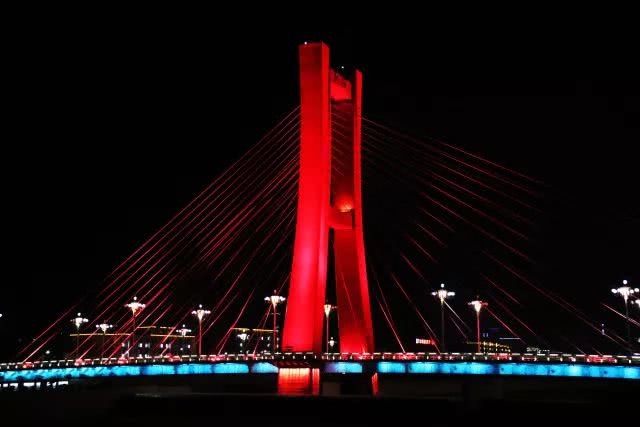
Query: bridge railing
[315, 357]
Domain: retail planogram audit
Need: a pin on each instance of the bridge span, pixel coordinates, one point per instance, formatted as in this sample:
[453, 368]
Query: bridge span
[296, 367]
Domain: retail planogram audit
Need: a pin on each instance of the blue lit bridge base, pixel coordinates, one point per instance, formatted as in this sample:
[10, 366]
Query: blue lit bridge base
[365, 368]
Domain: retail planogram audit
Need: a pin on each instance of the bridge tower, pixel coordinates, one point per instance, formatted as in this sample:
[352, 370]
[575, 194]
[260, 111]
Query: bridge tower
[327, 201]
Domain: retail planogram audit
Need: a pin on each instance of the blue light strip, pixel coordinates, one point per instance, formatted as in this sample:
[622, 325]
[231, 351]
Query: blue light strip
[528, 369]
[387, 367]
[132, 370]
[343, 368]
[263, 368]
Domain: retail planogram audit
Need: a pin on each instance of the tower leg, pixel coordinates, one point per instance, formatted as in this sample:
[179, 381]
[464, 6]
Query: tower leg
[352, 288]
[328, 199]
[303, 321]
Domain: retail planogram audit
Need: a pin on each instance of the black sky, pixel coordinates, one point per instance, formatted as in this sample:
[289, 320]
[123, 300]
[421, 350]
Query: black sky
[116, 130]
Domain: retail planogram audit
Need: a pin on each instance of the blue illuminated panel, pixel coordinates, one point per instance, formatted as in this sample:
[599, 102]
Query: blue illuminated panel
[451, 368]
[392, 367]
[559, 370]
[159, 370]
[230, 368]
[126, 370]
[529, 369]
[263, 368]
[343, 368]
[212, 368]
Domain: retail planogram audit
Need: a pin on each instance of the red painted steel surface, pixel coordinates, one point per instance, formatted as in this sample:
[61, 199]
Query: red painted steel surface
[325, 94]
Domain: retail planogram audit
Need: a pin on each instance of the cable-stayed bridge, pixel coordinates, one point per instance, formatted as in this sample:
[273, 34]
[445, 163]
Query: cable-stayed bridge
[346, 227]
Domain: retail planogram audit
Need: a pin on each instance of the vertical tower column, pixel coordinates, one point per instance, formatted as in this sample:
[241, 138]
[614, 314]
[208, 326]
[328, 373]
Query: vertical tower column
[331, 109]
[352, 288]
[304, 315]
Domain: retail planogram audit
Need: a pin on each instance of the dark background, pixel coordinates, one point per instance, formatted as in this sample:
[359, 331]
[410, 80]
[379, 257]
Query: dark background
[114, 128]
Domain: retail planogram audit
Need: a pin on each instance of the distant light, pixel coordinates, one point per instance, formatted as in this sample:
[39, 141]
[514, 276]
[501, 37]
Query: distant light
[135, 306]
[342, 67]
[305, 42]
[200, 313]
[78, 321]
[275, 299]
[327, 309]
[478, 305]
[625, 291]
[442, 293]
[624, 282]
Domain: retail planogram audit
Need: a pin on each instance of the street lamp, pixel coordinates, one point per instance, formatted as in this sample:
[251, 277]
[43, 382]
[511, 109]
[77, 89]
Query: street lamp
[78, 321]
[332, 342]
[275, 299]
[442, 294]
[104, 327]
[626, 291]
[135, 308]
[183, 331]
[477, 306]
[200, 313]
[328, 308]
[243, 338]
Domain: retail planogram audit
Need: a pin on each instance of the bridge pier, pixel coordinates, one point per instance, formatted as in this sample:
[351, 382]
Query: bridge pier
[308, 381]
[299, 381]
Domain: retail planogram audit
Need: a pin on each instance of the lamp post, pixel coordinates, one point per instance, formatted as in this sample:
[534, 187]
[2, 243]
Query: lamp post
[183, 333]
[477, 306]
[135, 308]
[104, 327]
[243, 338]
[200, 313]
[78, 321]
[626, 291]
[275, 299]
[442, 294]
[328, 308]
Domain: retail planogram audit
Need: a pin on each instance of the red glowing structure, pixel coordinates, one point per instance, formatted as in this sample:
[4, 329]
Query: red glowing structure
[328, 200]
[299, 381]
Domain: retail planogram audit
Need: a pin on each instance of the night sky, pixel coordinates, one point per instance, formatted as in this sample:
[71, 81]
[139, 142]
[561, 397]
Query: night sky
[117, 130]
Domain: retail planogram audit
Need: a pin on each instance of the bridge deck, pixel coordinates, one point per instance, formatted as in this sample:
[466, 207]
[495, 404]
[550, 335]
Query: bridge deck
[553, 365]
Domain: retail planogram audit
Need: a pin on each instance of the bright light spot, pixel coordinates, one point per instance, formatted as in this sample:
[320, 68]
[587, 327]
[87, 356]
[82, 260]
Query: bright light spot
[624, 282]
